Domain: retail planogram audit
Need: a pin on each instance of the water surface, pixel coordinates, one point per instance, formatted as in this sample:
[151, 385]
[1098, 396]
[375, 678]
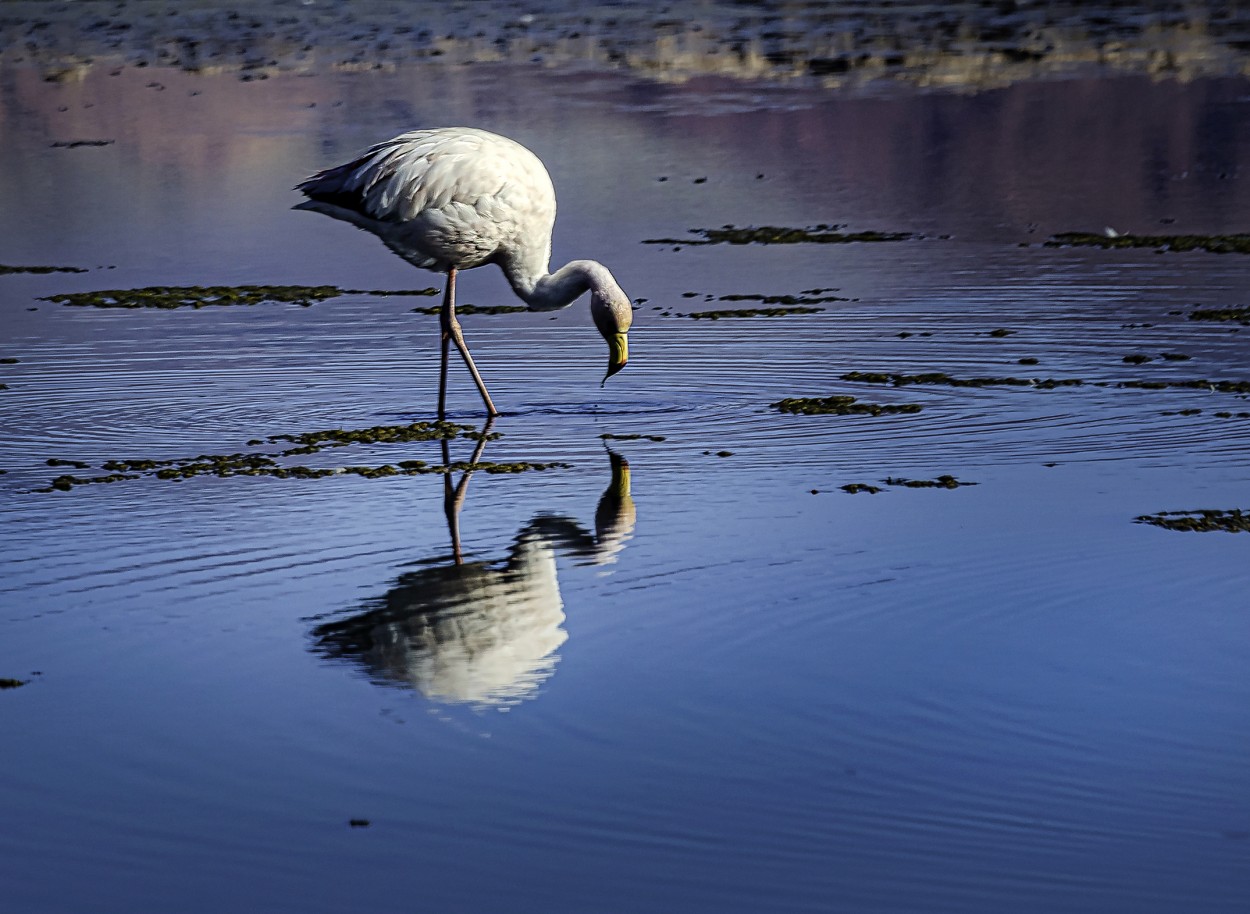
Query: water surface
[725, 686]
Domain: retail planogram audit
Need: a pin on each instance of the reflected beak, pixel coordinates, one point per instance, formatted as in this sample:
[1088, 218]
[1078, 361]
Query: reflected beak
[620, 475]
[618, 345]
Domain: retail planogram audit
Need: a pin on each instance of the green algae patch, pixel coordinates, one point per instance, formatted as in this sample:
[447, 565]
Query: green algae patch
[310, 442]
[940, 378]
[773, 234]
[1200, 521]
[516, 466]
[841, 405]
[1215, 244]
[752, 312]
[267, 464]
[1225, 315]
[809, 297]
[463, 310]
[1221, 387]
[386, 293]
[5, 269]
[779, 305]
[854, 488]
[945, 481]
[167, 298]
[170, 297]
[66, 482]
[935, 377]
[609, 436]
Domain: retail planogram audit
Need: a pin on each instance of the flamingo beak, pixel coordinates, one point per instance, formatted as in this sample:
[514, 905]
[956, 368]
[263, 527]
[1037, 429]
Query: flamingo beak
[618, 346]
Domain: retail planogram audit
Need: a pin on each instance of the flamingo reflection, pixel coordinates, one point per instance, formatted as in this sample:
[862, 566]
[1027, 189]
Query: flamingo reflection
[480, 633]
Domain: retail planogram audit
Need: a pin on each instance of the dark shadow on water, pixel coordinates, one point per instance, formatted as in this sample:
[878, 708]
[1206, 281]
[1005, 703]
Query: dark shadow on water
[481, 633]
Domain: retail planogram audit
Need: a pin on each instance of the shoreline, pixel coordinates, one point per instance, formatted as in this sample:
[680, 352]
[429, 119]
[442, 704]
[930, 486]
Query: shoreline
[963, 47]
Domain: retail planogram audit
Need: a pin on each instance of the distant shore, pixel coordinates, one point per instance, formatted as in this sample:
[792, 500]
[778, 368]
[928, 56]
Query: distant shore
[962, 46]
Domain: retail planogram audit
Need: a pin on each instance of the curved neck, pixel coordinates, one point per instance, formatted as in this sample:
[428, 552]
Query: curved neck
[544, 291]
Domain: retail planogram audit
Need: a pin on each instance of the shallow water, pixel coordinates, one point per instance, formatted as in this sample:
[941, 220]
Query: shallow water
[735, 687]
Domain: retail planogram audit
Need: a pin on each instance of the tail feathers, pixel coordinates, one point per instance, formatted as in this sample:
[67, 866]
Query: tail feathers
[335, 186]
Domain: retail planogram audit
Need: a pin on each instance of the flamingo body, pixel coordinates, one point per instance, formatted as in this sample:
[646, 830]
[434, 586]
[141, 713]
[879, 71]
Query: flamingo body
[455, 198]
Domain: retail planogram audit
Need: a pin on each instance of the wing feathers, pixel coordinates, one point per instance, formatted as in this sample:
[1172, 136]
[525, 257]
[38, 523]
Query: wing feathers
[456, 194]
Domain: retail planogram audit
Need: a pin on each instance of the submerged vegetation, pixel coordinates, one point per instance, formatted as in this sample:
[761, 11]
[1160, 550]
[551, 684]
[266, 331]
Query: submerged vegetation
[609, 436]
[1200, 521]
[806, 297]
[772, 234]
[842, 405]
[267, 463]
[310, 442]
[1215, 244]
[945, 481]
[781, 305]
[751, 312]
[936, 377]
[6, 268]
[462, 310]
[1220, 387]
[170, 297]
[1229, 315]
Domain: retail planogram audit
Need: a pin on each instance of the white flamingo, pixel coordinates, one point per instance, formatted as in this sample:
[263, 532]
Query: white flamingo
[453, 198]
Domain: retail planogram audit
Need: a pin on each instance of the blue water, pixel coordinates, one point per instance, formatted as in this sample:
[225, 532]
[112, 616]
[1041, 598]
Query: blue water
[734, 687]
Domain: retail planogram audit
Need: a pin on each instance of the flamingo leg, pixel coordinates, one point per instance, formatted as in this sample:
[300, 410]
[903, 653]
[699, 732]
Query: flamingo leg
[444, 322]
[451, 328]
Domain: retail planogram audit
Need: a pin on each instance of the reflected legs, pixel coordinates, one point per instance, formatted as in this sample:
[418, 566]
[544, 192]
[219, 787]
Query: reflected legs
[453, 499]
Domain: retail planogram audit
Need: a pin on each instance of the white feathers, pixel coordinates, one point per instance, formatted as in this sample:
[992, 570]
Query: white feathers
[448, 197]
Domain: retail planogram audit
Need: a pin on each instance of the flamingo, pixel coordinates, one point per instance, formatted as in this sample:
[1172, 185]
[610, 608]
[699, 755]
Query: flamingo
[453, 198]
